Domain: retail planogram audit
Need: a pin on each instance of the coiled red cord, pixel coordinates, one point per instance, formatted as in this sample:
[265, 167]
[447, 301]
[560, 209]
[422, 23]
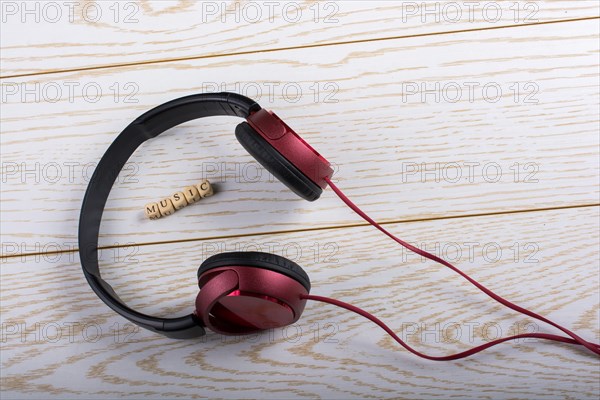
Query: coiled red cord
[574, 339]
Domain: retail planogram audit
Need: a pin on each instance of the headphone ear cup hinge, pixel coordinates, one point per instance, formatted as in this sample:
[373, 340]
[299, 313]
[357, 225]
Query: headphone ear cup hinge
[216, 286]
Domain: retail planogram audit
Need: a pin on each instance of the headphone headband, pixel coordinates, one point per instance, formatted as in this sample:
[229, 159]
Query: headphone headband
[147, 126]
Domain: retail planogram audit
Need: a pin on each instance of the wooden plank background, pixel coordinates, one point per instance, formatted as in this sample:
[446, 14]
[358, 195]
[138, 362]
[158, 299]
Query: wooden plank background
[420, 135]
[103, 357]
[470, 135]
[111, 34]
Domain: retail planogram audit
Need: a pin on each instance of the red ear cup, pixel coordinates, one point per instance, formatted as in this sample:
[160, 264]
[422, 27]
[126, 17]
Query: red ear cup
[276, 164]
[242, 293]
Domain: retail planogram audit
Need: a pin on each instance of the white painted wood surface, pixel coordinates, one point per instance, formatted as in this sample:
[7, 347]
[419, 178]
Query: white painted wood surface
[557, 277]
[553, 144]
[116, 33]
[396, 154]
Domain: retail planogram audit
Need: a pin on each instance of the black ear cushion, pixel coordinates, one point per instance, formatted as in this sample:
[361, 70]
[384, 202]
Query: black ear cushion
[276, 164]
[256, 259]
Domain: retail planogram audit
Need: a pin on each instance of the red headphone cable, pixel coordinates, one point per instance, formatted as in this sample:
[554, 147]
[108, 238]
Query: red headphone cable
[457, 356]
[595, 348]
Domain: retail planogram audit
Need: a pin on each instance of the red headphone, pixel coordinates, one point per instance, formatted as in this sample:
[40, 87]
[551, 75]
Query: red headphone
[246, 292]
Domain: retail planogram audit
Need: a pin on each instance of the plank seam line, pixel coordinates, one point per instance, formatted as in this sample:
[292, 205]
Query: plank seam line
[324, 228]
[309, 46]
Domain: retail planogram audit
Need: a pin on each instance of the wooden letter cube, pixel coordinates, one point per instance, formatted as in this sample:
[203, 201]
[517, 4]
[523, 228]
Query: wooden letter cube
[152, 211]
[166, 207]
[178, 200]
[205, 189]
[191, 194]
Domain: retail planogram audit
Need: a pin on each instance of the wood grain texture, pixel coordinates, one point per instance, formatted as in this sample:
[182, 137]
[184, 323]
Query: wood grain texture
[376, 133]
[350, 358]
[377, 96]
[100, 34]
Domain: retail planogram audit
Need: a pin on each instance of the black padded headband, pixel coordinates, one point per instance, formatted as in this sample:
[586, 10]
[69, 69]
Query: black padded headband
[147, 126]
